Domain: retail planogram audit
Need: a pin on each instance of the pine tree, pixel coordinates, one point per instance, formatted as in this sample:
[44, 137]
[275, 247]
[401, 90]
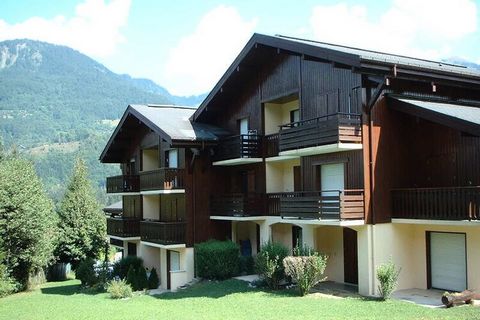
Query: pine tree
[27, 219]
[142, 280]
[81, 222]
[153, 281]
[132, 278]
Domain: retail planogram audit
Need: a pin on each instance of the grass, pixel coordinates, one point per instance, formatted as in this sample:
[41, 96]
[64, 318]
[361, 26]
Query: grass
[231, 299]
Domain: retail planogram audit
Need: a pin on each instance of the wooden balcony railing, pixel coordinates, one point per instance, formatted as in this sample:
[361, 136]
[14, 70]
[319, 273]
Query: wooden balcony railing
[123, 227]
[126, 183]
[326, 205]
[329, 129]
[270, 145]
[240, 146]
[238, 205]
[162, 179]
[163, 232]
[454, 203]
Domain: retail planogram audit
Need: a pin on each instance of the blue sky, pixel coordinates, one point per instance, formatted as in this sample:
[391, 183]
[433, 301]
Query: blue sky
[185, 46]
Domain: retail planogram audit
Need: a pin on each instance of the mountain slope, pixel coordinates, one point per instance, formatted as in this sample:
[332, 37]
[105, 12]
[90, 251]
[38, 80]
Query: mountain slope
[57, 104]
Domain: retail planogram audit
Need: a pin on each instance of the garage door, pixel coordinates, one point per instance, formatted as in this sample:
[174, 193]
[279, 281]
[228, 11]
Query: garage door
[448, 270]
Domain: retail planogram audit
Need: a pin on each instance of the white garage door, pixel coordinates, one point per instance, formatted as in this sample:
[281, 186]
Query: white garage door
[448, 261]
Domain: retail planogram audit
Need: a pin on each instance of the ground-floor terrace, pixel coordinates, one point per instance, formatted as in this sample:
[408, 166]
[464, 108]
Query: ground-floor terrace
[430, 254]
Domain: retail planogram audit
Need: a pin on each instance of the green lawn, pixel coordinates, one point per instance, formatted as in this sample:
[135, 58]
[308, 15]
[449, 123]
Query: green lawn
[230, 299]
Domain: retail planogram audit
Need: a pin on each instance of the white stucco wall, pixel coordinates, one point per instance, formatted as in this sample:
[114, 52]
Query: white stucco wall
[150, 159]
[151, 207]
[277, 114]
[329, 241]
[279, 175]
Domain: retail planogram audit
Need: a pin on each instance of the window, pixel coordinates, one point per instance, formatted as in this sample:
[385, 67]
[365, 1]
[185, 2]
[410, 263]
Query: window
[171, 158]
[297, 237]
[295, 116]
[243, 123]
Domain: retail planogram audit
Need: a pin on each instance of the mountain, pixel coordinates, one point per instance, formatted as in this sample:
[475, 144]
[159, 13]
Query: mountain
[462, 62]
[57, 104]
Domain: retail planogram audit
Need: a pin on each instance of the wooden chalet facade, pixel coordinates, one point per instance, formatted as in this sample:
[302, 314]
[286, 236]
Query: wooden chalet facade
[360, 154]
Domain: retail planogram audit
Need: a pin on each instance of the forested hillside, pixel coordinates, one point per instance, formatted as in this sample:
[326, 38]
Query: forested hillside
[57, 104]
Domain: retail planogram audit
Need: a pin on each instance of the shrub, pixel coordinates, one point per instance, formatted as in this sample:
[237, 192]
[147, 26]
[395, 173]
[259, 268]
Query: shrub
[121, 267]
[269, 263]
[303, 251]
[305, 271]
[387, 275]
[7, 285]
[217, 259]
[142, 280]
[247, 265]
[86, 272]
[153, 281]
[132, 278]
[119, 289]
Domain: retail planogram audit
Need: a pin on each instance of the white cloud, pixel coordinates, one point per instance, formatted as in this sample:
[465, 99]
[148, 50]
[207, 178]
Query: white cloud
[424, 28]
[198, 61]
[94, 29]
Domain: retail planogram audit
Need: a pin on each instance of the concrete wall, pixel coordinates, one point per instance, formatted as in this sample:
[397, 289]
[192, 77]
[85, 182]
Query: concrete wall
[151, 207]
[282, 232]
[277, 114]
[244, 231]
[329, 241]
[279, 175]
[151, 258]
[150, 159]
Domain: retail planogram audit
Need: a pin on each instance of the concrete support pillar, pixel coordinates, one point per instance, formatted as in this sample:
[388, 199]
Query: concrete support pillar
[366, 262]
[308, 235]
[265, 232]
[234, 231]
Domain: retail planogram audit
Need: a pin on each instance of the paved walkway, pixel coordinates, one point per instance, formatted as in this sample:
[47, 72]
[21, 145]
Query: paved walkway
[428, 298]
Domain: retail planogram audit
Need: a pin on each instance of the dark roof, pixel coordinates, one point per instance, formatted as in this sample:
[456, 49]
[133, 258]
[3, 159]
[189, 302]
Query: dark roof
[389, 58]
[344, 55]
[461, 117]
[172, 123]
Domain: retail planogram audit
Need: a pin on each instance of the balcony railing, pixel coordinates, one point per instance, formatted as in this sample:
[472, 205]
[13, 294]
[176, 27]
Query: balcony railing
[126, 183]
[123, 227]
[164, 233]
[329, 129]
[162, 179]
[454, 203]
[325, 205]
[238, 205]
[271, 145]
[240, 146]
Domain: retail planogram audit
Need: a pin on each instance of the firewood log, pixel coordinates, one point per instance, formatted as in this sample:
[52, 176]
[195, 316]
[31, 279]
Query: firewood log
[451, 299]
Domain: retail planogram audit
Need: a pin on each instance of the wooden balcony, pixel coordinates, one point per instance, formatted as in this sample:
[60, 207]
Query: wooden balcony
[324, 205]
[334, 129]
[163, 233]
[239, 149]
[162, 179]
[238, 205]
[123, 227]
[454, 203]
[121, 184]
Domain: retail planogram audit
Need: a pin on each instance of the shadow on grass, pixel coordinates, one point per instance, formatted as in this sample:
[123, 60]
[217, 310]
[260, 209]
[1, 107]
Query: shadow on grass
[219, 289]
[70, 289]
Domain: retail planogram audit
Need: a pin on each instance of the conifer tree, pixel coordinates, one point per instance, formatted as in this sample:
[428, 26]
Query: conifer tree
[27, 219]
[81, 222]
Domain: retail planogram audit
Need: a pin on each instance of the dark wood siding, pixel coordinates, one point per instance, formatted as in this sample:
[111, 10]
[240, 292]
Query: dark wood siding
[353, 168]
[327, 89]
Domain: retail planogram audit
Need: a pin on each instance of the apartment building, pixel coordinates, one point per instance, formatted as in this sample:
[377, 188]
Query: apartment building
[365, 156]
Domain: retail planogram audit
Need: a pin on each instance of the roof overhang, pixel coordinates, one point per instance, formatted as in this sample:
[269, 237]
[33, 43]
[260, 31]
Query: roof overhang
[461, 117]
[117, 133]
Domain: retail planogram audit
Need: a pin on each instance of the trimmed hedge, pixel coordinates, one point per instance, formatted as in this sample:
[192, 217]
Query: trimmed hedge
[217, 259]
[121, 267]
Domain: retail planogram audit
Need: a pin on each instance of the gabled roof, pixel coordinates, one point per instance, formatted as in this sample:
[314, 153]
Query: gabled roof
[348, 56]
[172, 123]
